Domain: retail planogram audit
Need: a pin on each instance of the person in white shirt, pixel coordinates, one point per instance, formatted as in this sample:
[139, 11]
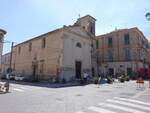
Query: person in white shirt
[85, 75]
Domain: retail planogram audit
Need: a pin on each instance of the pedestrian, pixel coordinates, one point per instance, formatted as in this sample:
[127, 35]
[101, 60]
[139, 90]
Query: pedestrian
[138, 83]
[85, 77]
[88, 78]
[142, 83]
[99, 80]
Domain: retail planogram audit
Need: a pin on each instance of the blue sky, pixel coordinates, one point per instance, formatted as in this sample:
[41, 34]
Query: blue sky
[25, 19]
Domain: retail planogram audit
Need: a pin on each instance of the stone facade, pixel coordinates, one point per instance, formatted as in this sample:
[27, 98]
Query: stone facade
[5, 64]
[125, 50]
[64, 53]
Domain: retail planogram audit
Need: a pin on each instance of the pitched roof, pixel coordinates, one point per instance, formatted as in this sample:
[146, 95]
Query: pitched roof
[38, 37]
[87, 16]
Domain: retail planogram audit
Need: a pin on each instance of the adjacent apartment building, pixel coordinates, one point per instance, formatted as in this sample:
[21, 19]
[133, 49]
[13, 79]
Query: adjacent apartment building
[122, 51]
[64, 53]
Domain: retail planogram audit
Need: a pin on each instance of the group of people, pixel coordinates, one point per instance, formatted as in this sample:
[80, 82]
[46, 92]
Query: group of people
[87, 77]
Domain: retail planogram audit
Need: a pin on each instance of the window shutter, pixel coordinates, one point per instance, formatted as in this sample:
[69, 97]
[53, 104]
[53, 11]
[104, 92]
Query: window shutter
[110, 41]
[97, 44]
[126, 38]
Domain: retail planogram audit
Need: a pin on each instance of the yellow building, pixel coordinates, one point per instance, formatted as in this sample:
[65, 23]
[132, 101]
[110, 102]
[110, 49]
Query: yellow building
[124, 50]
[63, 53]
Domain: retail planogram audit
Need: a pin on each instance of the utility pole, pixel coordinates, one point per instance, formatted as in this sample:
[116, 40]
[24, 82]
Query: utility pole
[12, 44]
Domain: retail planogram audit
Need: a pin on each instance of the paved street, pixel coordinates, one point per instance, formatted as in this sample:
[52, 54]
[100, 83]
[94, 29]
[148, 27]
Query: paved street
[106, 98]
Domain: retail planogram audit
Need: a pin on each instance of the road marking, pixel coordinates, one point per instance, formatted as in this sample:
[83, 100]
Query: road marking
[100, 110]
[131, 100]
[129, 104]
[141, 93]
[25, 88]
[127, 109]
[80, 112]
[16, 89]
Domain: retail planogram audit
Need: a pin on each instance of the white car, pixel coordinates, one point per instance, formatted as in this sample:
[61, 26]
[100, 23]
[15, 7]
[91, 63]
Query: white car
[19, 77]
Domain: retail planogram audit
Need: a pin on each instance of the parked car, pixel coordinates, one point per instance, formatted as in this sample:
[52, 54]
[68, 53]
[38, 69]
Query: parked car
[28, 78]
[19, 77]
[12, 76]
[7, 76]
[2, 76]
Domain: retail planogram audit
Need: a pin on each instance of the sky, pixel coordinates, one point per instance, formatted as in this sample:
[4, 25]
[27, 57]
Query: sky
[26, 19]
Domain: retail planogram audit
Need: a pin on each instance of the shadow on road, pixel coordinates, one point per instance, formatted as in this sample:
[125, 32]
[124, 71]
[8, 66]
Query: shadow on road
[44, 84]
[1, 92]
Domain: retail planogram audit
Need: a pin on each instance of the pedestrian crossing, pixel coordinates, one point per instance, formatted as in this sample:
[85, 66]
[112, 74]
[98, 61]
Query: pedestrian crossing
[119, 105]
[23, 88]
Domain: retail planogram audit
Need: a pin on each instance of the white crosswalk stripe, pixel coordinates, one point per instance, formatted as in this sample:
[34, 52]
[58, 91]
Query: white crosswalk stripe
[24, 88]
[20, 90]
[80, 112]
[131, 100]
[118, 104]
[100, 110]
[128, 104]
[127, 109]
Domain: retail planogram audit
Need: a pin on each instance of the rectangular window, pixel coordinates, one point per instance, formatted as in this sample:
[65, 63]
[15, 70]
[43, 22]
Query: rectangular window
[127, 54]
[110, 42]
[97, 44]
[110, 55]
[139, 53]
[126, 39]
[98, 58]
[43, 43]
[19, 49]
[30, 46]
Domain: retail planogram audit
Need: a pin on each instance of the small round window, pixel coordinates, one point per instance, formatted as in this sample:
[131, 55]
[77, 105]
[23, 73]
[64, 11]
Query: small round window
[78, 45]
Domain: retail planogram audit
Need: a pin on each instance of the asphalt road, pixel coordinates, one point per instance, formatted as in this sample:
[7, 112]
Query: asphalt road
[106, 98]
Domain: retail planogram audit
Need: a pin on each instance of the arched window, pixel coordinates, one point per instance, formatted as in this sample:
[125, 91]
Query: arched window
[78, 45]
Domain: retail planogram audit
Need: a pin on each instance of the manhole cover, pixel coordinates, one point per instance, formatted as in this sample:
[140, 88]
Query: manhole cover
[59, 99]
[78, 95]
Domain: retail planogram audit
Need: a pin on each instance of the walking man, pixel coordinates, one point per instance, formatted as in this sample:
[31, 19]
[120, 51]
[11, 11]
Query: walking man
[85, 77]
[99, 80]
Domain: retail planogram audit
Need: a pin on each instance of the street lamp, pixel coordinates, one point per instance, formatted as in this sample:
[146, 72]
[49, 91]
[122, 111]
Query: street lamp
[147, 16]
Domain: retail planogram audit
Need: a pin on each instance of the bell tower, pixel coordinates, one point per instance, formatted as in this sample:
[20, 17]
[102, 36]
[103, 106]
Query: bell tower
[88, 23]
[2, 33]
